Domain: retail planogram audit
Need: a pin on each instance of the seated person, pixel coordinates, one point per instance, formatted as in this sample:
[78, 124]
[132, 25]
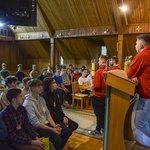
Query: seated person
[20, 131]
[52, 102]
[40, 117]
[10, 81]
[49, 71]
[33, 74]
[25, 89]
[67, 84]
[60, 88]
[20, 74]
[4, 72]
[43, 74]
[75, 75]
[4, 143]
[83, 83]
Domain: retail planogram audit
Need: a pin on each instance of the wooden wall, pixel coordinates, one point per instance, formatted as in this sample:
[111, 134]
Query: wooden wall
[11, 55]
[40, 63]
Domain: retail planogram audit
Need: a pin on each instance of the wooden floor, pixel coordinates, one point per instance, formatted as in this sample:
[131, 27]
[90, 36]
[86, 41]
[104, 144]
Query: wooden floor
[81, 142]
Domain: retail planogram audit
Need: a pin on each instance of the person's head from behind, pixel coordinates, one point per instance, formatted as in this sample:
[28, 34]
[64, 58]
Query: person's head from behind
[35, 86]
[11, 81]
[114, 60]
[49, 84]
[25, 82]
[102, 60]
[14, 96]
[143, 41]
[34, 67]
[19, 66]
[3, 66]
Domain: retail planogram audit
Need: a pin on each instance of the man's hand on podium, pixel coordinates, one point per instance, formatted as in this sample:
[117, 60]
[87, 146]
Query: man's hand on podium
[135, 80]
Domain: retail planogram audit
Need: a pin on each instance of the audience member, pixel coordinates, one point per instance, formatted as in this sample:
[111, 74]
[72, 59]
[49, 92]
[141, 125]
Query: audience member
[25, 90]
[43, 74]
[33, 74]
[60, 88]
[4, 142]
[49, 71]
[83, 83]
[69, 73]
[10, 82]
[40, 117]
[67, 84]
[75, 75]
[53, 104]
[20, 74]
[80, 71]
[20, 131]
[4, 73]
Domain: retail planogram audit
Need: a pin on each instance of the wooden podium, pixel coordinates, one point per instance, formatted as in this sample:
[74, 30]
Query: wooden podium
[119, 89]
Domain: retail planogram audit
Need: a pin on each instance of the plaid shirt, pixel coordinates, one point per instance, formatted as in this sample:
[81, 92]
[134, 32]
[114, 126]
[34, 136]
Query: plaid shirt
[11, 119]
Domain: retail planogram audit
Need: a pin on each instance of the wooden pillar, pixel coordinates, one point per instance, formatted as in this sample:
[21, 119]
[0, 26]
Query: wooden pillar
[52, 52]
[120, 50]
[57, 57]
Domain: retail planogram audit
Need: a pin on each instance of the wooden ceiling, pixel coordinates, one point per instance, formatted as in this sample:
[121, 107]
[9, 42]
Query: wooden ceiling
[54, 15]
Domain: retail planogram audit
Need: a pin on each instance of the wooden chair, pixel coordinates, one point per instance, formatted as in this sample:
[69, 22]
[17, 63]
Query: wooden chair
[77, 95]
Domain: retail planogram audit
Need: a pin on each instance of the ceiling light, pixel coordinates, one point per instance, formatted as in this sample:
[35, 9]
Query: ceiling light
[123, 8]
[1, 24]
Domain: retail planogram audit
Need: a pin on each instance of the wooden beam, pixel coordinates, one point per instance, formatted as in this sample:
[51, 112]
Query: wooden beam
[85, 32]
[6, 38]
[136, 28]
[120, 50]
[32, 36]
[49, 25]
[52, 52]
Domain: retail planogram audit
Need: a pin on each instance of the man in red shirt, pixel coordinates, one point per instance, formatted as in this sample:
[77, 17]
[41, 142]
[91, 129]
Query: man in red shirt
[98, 100]
[114, 63]
[139, 71]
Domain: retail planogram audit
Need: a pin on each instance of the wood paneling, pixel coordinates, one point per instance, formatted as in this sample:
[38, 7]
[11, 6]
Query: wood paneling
[11, 55]
[40, 63]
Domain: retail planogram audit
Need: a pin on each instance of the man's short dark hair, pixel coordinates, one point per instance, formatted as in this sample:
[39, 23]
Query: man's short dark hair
[44, 69]
[115, 58]
[25, 79]
[19, 65]
[34, 82]
[12, 93]
[104, 57]
[145, 37]
[10, 79]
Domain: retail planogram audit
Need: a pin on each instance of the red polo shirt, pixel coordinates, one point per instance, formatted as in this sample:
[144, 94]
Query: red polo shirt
[140, 68]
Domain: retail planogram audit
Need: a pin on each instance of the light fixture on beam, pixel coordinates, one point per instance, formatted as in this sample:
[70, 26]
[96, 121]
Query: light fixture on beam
[124, 9]
[106, 31]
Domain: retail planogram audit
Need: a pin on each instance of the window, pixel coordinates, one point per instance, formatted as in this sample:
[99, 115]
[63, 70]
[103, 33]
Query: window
[103, 50]
[61, 60]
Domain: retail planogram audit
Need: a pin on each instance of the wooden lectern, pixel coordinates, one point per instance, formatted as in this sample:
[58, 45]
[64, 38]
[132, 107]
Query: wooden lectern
[119, 89]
